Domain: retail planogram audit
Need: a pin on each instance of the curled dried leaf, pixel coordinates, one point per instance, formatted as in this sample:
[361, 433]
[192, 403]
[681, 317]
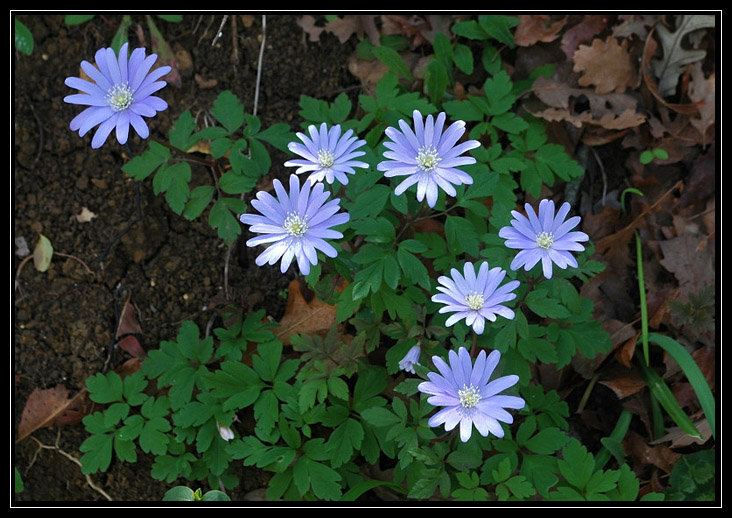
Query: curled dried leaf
[42, 253]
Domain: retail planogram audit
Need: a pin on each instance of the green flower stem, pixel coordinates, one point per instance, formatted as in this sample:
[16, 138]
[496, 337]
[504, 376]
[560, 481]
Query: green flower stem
[642, 292]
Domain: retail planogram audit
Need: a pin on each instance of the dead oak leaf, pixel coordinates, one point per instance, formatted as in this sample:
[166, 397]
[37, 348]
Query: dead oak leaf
[535, 28]
[607, 65]
[628, 119]
[611, 111]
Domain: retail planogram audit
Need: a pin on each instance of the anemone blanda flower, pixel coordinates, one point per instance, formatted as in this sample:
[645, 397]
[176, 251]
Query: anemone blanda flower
[427, 156]
[410, 359]
[225, 432]
[327, 154]
[296, 224]
[119, 96]
[468, 396]
[475, 298]
[545, 237]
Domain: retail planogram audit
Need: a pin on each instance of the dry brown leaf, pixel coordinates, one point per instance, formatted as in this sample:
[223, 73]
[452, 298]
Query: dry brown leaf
[359, 24]
[702, 182]
[128, 322]
[624, 382]
[690, 260]
[368, 72]
[46, 407]
[680, 439]
[659, 455]
[535, 28]
[606, 65]
[314, 317]
[624, 354]
[627, 119]
[343, 27]
[131, 345]
[707, 361]
[85, 216]
[307, 23]
[614, 247]
[634, 25]
[611, 111]
[584, 31]
[702, 93]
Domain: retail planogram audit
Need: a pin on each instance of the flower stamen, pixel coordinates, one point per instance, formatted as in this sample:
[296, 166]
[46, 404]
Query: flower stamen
[545, 240]
[427, 158]
[326, 158]
[119, 97]
[294, 225]
[474, 300]
[469, 396]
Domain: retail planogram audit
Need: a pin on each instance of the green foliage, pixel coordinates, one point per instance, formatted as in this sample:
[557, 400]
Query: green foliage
[77, 19]
[186, 494]
[23, 37]
[238, 158]
[648, 156]
[18, 481]
[115, 429]
[693, 478]
[332, 401]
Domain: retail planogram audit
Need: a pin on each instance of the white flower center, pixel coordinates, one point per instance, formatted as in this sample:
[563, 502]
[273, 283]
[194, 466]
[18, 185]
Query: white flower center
[119, 97]
[326, 158]
[474, 300]
[545, 240]
[427, 158]
[295, 225]
[469, 396]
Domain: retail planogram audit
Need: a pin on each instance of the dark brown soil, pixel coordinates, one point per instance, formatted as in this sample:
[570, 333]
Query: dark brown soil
[64, 318]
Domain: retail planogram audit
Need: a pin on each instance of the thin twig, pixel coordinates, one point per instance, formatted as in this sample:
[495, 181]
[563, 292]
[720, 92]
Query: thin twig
[602, 172]
[75, 258]
[114, 330]
[234, 43]
[190, 157]
[72, 459]
[138, 217]
[40, 134]
[29, 257]
[259, 64]
[218, 33]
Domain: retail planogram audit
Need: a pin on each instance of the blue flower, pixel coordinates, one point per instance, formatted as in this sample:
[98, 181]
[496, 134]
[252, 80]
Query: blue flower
[545, 237]
[427, 156]
[119, 97]
[328, 155]
[410, 359]
[468, 396]
[296, 224]
[475, 298]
